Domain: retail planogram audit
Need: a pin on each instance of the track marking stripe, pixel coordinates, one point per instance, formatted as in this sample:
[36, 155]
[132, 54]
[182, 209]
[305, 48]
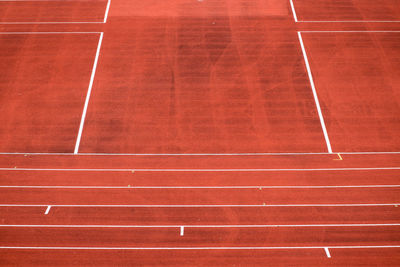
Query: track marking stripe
[47, 210]
[203, 170]
[202, 206]
[181, 227]
[293, 11]
[182, 230]
[201, 154]
[198, 248]
[321, 118]
[78, 140]
[200, 187]
[107, 10]
[328, 254]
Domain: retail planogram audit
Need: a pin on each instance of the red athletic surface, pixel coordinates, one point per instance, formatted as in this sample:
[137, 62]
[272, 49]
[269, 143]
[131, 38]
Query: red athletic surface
[44, 79]
[211, 76]
[29, 11]
[358, 76]
[347, 10]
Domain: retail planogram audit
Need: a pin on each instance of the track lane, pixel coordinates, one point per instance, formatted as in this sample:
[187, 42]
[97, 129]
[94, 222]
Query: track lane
[200, 237]
[199, 216]
[266, 196]
[315, 178]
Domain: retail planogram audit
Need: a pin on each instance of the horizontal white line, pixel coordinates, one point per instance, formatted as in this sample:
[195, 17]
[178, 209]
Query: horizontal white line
[52, 22]
[200, 226]
[207, 154]
[197, 187]
[200, 206]
[349, 21]
[5, 33]
[351, 32]
[202, 170]
[201, 248]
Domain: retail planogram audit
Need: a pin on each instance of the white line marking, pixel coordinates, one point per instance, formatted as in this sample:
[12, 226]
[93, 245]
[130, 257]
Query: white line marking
[47, 210]
[203, 154]
[78, 140]
[349, 21]
[201, 187]
[321, 118]
[202, 206]
[293, 11]
[200, 226]
[107, 10]
[199, 248]
[328, 254]
[352, 31]
[49, 33]
[203, 170]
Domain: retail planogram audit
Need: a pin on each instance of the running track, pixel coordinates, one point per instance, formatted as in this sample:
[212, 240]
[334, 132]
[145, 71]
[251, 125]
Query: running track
[199, 133]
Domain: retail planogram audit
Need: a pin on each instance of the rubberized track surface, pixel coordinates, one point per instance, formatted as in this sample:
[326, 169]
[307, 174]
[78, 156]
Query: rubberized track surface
[199, 133]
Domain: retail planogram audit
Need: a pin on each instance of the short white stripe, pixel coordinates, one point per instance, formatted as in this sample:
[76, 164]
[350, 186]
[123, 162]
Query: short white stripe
[328, 254]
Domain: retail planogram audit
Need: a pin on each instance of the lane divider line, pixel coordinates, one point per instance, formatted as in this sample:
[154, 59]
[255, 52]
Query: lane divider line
[182, 227]
[203, 170]
[201, 205]
[328, 254]
[259, 187]
[198, 248]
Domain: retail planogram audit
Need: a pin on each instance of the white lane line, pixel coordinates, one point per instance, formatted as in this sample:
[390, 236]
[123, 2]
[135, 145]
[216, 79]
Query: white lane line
[202, 154]
[321, 117]
[351, 32]
[199, 187]
[202, 226]
[328, 254]
[202, 206]
[202, 170]
[107, 10]
[350, 21]
[293, 11]
[198, 248]
[47, 33]
[78, 140]
[47, 210]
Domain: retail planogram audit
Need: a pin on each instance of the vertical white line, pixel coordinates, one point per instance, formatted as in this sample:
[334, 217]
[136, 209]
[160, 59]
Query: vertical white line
[328, 254]
[293, 11]
[182, 230]
[47, 210]
[78, 139]
[107, 10]
[321, 118]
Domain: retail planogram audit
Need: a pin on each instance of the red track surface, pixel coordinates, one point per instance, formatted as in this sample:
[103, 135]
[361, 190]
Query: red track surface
[52, 11]
[212, 76]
